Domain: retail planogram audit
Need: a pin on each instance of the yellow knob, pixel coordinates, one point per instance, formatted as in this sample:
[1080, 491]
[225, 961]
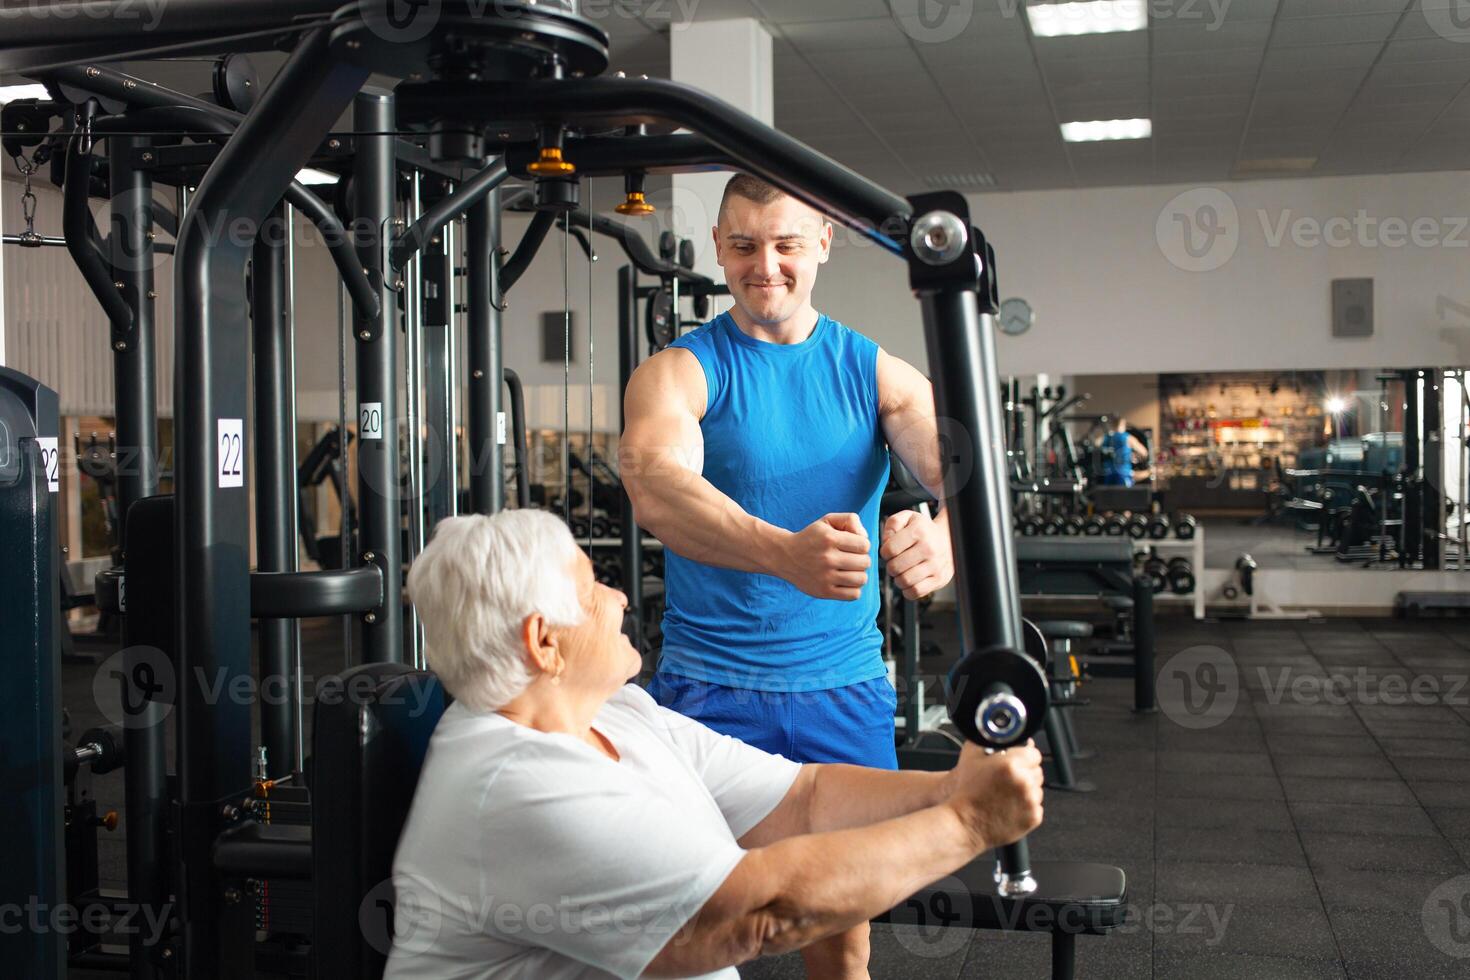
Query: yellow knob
[635, 205]
[551, 164]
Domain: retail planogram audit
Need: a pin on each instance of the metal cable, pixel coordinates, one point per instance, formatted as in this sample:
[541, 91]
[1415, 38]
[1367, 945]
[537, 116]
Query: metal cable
[566, 370]
[591, 483]
[451, 393]
[413, 323]
[299, 761]
[343, 529]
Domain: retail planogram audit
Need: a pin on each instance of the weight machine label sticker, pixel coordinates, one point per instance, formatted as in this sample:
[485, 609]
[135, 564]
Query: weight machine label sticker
[500, 428]
[230, 441]
[370, 420]
[50, 462]
[122, 593]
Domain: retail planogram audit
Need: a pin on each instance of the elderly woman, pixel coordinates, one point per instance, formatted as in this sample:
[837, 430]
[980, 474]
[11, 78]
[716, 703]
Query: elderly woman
[566, 826]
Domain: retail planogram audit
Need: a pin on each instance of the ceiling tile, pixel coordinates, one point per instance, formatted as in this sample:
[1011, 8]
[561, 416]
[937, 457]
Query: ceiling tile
[1092, 47]
[1423, 73]
[1137, 91]
[1288, 80]
[1229, 61]
[1361, 113]
[1070, 111]
[1197, 85]
[1423, 49]
[1325, 8]
[842, 64]
[1203, 106]
[1359, 158]
[1180, 36]
[1334, 30]
[1437, 93]
[1322, 56]
[845, 35]
[1434, 19]
[1435, 158]
[1162, 12]
[802, 11]
[1103, 69]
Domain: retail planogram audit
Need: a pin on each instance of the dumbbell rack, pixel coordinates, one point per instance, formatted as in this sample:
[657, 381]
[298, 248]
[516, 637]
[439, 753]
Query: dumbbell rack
[1194, 549]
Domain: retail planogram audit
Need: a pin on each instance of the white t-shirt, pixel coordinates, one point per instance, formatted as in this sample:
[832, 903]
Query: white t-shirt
[532, 855]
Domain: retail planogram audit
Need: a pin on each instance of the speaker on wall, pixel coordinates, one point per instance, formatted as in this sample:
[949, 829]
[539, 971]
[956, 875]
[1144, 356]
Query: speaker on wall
[1352, 307]
[554, 335]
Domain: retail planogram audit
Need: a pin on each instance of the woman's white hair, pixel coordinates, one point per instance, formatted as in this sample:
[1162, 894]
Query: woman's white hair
[475, 584]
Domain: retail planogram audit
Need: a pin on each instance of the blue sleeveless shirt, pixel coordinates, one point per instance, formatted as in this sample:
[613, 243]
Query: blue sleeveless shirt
[1118, 470]
[791, 434]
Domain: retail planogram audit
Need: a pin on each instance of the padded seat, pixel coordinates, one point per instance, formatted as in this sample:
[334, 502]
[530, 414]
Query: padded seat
[371, 733]
[1064, 629]
[1071, 899]
[1118, 603]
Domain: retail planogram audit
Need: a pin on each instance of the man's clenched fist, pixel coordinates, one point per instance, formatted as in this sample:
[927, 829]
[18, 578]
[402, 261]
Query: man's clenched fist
[917, 553]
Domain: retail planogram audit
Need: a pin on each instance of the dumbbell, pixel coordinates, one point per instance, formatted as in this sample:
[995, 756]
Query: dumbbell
[1137, 526]
[1181, 576]
[579, 526]
[1158, 527]
[996, 697]
[1051, 527]
[1184, 526]
[1072, 526]
[101, 748]
[1158, 573]
[1115, 525]
[1030, 526]
[1093, 526]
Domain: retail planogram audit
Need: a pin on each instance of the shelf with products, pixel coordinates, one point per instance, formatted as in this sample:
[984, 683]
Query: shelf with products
[1235, 428]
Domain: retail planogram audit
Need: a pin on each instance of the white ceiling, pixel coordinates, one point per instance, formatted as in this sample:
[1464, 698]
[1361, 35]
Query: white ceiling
[1236, 88]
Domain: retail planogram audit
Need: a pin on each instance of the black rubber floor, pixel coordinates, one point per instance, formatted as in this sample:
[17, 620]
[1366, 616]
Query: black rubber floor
[1315, 826]
[1300, 808]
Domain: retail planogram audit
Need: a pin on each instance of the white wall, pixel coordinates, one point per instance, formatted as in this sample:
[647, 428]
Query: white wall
[1107, 272]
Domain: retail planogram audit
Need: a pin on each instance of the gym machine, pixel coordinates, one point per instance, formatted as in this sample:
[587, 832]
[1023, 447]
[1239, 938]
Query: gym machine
[545, 60]
[30, 701]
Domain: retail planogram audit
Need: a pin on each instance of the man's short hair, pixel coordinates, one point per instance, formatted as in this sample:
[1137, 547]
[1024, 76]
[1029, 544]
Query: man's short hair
[750, 188]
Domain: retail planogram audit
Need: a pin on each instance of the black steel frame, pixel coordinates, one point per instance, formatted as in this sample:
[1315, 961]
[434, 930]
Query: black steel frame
[247, 178]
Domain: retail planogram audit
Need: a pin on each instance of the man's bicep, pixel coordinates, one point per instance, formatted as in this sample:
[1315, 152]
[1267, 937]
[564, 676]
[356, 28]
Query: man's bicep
[661, 405]
[906, 412]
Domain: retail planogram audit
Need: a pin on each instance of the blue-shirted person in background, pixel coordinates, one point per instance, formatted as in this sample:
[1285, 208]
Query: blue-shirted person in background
[1122, 451]
[756, 449]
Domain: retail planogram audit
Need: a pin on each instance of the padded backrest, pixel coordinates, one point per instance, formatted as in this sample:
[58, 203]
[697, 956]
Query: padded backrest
[1086, 550]
[371, 731]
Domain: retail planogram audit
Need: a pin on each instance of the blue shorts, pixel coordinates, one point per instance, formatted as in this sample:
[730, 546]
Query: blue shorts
[852, 724]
